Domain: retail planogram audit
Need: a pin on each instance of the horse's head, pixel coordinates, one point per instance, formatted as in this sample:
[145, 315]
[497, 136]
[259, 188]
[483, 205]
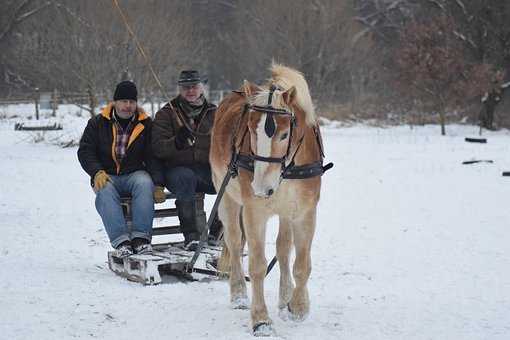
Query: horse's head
[271, 123]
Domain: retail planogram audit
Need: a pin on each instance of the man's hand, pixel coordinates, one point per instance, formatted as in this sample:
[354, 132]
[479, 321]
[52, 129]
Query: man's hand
[184, 139]
[159, 194]
[100, 179]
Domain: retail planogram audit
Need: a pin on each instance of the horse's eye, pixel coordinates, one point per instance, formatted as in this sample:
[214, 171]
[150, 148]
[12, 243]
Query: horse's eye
[285, 135]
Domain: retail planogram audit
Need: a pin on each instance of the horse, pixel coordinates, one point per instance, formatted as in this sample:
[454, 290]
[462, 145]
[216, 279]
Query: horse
[268, 139]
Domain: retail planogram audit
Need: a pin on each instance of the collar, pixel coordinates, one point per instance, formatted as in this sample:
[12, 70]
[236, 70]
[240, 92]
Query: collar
[107, 112]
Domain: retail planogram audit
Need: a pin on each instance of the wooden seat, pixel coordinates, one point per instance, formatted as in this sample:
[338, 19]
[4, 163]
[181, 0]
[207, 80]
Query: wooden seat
[165, 212]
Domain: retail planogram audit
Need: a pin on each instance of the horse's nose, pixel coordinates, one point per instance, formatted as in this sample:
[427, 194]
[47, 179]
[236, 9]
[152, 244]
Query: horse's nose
[270, 192]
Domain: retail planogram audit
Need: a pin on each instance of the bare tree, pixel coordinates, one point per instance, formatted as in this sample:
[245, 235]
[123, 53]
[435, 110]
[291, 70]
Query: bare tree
[431, 66]
[14, 13]
[84, 47]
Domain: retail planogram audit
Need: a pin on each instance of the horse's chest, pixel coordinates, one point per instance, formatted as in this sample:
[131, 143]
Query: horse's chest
[285, 201]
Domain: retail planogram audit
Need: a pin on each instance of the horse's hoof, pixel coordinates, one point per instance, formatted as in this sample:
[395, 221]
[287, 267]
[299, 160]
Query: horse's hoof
[263, 328]
[240, 302]
[284, 314]
[295, 316]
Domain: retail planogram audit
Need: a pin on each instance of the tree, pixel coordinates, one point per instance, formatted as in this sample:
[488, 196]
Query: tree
[83, 49]
[14, 13]
[431, 66]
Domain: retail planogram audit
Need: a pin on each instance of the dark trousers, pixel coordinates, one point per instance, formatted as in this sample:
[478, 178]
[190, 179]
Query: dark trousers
[185, 181]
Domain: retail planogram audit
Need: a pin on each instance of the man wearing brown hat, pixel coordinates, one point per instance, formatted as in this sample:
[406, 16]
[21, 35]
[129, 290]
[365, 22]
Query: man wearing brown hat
[115, 150]
[181, 139]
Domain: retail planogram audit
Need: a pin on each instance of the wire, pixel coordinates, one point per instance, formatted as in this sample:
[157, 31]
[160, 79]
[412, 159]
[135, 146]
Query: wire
[145, 57]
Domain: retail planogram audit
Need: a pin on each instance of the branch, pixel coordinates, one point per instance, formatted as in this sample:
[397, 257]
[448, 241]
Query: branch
[462, 6]
[360, 35]
[390, 7]
[86, 108]
[16, 19]
[32, 12]
[425, 89]
[74, 101]
[72, 13]
[438, 4]
[463, 38]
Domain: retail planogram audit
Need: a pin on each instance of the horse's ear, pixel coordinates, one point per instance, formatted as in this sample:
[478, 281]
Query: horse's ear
[250, 89]
[247, 88]
[289, 96]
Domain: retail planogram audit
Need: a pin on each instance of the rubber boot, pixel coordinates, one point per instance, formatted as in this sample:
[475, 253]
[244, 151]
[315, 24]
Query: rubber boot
[215, 232]
[186, 210]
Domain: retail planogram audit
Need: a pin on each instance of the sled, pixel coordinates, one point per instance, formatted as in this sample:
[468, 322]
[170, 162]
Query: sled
[168, 258]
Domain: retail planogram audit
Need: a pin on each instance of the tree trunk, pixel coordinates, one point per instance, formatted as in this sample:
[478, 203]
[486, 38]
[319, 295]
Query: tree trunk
[92, 101]
[441, 111]
[37, 103]
[442, 122]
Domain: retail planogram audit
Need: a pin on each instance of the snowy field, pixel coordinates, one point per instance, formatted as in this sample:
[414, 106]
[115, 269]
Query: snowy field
[410, 244]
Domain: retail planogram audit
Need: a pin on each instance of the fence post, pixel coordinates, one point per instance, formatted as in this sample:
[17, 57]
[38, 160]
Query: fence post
[37, 103]
[54, 103]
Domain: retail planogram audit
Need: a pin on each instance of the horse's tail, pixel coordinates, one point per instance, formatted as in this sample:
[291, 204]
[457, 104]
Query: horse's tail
[224, 260]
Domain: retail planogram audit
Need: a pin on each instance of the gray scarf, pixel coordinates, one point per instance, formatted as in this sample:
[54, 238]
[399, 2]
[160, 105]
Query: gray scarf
[194, 109]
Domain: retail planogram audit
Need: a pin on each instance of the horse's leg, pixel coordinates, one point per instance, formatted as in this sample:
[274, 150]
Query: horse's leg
[229, 214]
[254, 220]
[303, 230]
[283, 245]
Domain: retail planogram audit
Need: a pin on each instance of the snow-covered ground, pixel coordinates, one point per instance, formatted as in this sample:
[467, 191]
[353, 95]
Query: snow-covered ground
[410, 244]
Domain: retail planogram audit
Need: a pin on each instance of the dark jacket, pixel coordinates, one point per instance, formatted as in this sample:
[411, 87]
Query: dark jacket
[97, 147]
[165, 128]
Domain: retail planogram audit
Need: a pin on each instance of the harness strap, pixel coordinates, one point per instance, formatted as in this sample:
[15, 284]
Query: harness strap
[267, 159]
[291, 172]
[318, 136]
[214, 211]
[272, 88]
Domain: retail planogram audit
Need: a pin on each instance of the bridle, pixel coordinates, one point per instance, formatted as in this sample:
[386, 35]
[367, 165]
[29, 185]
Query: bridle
[270, 130]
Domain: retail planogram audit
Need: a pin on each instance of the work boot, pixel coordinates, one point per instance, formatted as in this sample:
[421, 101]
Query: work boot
[141, 246]
[186, 210]
[124, 249]
[191, 245]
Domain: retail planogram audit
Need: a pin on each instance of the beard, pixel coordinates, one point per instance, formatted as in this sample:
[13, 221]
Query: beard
[125, 114]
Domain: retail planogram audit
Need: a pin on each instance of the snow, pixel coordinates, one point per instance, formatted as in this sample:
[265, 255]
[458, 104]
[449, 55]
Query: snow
[410, 244]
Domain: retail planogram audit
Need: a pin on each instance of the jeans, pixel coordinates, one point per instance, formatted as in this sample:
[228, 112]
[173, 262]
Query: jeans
[185, 181]
[139, 185]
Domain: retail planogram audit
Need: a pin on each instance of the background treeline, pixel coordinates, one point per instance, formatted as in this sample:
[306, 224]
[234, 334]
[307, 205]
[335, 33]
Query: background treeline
[362, 58]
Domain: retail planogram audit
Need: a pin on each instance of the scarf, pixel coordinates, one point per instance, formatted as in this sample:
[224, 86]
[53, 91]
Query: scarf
[194, 109]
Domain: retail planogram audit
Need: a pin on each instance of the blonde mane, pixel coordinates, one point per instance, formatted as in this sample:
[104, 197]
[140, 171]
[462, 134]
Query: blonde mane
[285, 77]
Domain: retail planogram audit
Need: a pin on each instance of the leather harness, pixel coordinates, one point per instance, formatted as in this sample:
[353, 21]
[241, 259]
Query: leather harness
[290, 171]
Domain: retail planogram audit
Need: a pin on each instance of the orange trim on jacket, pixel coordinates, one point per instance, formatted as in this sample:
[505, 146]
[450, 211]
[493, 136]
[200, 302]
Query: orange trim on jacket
[107, 113]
